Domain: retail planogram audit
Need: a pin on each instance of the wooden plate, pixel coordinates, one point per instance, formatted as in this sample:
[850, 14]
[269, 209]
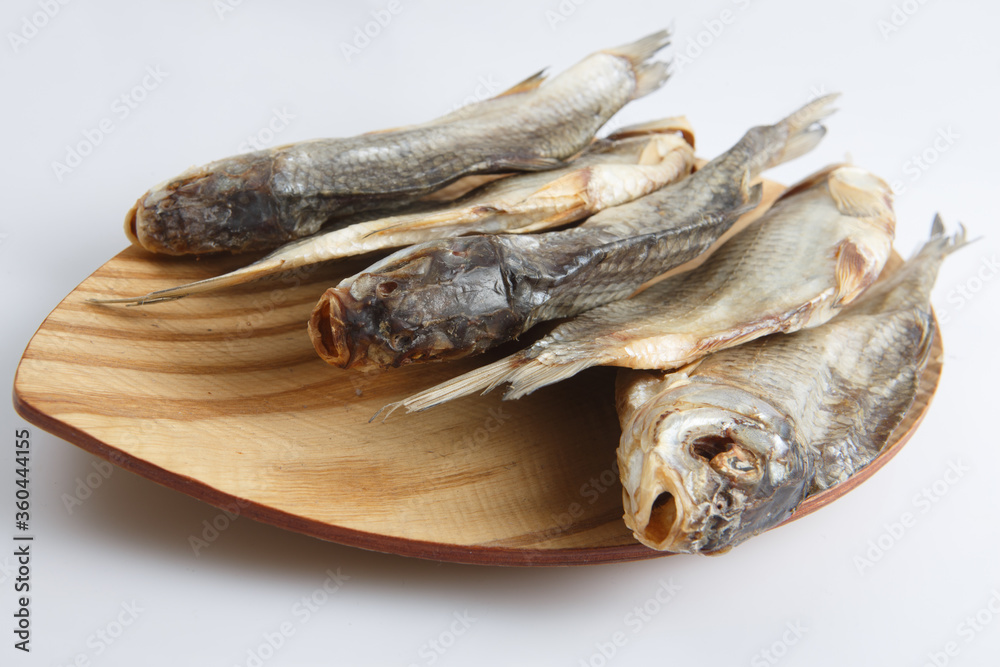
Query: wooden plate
[222, 397]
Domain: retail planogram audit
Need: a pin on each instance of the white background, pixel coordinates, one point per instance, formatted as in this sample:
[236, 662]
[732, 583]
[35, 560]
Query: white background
[226, 73]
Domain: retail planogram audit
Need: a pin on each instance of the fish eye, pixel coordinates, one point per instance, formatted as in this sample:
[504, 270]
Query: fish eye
[709, 447]
[402, 341]
[386, 288]
[726, 456]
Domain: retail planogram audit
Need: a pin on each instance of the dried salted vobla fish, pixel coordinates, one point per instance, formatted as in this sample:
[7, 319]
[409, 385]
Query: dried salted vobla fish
[815, 251]
[261, 200]
[456, 297]
[729, 446]
[633, 162]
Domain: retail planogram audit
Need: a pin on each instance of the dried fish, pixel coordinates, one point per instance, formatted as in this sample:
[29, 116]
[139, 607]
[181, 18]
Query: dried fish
[816, 250]
[728, 447]
[261, 200]
[630, 163]
[456, 297]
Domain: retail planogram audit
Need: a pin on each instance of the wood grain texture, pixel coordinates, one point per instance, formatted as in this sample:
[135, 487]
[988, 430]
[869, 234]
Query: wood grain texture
[222, 397]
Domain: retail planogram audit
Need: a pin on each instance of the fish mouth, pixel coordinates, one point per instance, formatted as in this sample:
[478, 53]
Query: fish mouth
[659, 516]
[327, 329]
[663, 517]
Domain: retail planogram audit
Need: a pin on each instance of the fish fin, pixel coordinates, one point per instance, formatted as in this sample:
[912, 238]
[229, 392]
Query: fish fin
[263, 267]
[569, 196]
[482, 380]
[854, 272]
[860, 194]
[532, 82]
[673, 125]
[959, 239]
[527, 164]
[534, 374]
[799, 133]
[755, 195]
[460, 188]
[937, 226]
[940, 244]
[557, 219]
[811, 180]
[572, 186]
[450, 218]
[643, 49]
[648, 75]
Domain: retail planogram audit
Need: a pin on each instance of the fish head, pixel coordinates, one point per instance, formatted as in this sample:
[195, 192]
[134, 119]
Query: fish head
[706, 467]
[437, 300]
[223, 206]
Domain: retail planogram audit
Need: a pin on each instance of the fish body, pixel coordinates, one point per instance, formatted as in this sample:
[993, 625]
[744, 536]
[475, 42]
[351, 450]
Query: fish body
[456, 297]
[727, 447]
[263, 199]
[628, 164]
[815, 251]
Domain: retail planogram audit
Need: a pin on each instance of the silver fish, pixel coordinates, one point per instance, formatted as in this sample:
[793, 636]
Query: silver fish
[261, 200]
[630, 163]
[456, 297]
[728, 447]
[815, 251]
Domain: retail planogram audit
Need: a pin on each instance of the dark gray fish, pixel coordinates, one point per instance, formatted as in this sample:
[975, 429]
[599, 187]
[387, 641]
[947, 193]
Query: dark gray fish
[261, 200]
[456, 297]
[729, 446]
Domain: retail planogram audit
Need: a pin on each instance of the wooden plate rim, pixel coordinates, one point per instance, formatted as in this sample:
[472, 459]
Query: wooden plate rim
[437, 551]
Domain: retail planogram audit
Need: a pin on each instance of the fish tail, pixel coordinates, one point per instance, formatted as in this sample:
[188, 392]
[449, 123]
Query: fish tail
[940, 243]
[649, 76]
[480, 380]
[791, 137]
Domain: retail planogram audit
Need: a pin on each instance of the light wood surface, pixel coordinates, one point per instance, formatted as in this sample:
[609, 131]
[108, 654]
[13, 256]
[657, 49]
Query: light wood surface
[222, 397]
